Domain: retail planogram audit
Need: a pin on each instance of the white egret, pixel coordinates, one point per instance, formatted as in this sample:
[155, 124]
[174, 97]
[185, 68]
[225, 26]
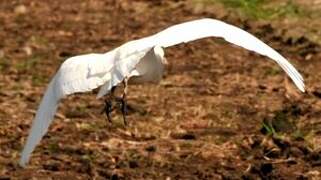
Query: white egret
[139, 61]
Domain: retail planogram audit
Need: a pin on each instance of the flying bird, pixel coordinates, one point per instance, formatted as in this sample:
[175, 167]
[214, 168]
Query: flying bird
[136, 61]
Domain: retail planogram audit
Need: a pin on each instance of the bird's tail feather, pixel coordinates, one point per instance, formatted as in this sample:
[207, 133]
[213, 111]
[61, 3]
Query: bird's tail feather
[44, 116]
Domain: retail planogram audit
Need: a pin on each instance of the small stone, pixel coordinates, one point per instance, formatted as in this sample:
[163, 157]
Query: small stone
[20, 9]
[28, 50]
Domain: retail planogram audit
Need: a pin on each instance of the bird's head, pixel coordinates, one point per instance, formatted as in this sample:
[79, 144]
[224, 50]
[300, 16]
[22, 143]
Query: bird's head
[159, 52]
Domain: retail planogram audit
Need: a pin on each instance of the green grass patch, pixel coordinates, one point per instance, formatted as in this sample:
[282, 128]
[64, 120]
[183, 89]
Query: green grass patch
[252, 8]
[39, 40]
[90, 127]
[272, 71]
[27, 65]
[38, 80]
[262, 9]
[53, 148]
[298, 135]
[268, 129]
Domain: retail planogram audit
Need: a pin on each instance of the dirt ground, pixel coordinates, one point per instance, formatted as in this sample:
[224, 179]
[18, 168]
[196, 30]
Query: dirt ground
[220, 112]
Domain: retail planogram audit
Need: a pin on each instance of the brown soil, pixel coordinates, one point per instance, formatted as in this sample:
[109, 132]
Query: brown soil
[203, 121]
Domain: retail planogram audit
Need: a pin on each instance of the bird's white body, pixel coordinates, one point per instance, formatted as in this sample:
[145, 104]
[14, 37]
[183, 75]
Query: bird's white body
[141, 60]
[149, 69]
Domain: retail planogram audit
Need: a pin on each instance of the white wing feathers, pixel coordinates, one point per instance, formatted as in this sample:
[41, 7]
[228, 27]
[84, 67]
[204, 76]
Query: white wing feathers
[198, 29]
[73, 76]
[41, 122]
[86, 72]
[203, 28]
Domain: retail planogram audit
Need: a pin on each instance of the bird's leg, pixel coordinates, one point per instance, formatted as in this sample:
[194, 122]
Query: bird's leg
[108, 109]
[122, 100]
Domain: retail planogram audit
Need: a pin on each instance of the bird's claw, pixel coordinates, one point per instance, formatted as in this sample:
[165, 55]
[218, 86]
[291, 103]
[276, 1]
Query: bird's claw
[122, 103]
[108, 109]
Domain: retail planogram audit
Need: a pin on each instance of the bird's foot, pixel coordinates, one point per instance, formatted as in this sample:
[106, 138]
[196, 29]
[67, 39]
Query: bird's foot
[108, 109]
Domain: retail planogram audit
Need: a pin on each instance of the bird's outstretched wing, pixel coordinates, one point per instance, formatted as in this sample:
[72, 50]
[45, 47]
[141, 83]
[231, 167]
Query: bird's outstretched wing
[73, 76]
[198, 29]
[87, 72]
[203, 28]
